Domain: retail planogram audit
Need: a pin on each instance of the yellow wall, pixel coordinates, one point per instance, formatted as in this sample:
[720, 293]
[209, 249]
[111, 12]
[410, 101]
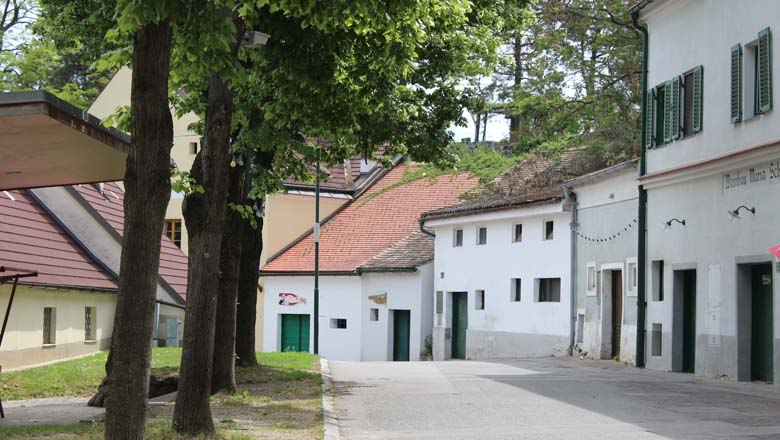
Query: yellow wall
[23, 341]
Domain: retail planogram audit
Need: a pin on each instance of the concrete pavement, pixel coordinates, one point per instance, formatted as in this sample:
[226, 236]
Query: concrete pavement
[550, 398]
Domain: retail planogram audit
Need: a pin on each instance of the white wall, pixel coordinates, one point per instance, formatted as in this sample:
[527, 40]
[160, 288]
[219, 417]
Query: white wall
[685, 34]
[491, 267]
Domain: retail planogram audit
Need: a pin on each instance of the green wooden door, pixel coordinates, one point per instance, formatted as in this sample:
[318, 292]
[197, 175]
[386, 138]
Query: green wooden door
[689, 321]
[295, 332]
[761, 350]
[459, 324]
[401, 335]
[171, 332]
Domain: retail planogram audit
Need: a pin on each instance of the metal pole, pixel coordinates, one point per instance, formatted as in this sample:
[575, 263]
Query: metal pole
[317, 255]
[8, 310]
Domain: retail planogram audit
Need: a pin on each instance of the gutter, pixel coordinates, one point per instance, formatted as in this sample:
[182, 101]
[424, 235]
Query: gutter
[641, 302]
[425, 231]
[170, 304]
[572, 203]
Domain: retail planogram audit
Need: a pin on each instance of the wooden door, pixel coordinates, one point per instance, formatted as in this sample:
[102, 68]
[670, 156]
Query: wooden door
[401, 335]
[761, 349]
[459, 324]
[689, 321]
[295, 332]
[617, 311]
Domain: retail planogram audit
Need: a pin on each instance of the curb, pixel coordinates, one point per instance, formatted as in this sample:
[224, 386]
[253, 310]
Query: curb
[330, 423]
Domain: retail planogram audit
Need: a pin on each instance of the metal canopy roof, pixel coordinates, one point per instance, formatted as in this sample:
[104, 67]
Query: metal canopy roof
[45, 141]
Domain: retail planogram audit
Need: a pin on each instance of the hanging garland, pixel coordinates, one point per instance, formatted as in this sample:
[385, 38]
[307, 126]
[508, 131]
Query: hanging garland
[606, 238]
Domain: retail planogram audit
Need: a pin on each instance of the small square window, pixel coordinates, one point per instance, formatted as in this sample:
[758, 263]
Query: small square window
[592, 278]
[517, 289]
[172, 230]
[90, 323]
[49, 326]
[482, 235]
[373, 315]
[517, 235]
[549, 290]
[338, 323]
[193, 148]
[658, 280]
[457, 238]
[479, 300]
[549, 230]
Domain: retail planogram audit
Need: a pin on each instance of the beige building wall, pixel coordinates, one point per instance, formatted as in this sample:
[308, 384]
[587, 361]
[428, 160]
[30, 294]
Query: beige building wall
[23, 342]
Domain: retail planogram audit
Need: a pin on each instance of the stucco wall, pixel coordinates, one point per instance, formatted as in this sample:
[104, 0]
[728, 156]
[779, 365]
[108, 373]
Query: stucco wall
[505, 328]
[686, 34]
[23, 341]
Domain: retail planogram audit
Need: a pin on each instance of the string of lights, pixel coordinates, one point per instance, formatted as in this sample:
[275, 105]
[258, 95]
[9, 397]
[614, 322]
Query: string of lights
[604, 239]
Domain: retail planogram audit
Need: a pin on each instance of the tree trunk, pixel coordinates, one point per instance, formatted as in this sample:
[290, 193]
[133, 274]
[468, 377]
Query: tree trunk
[223, 377]
[147, 192]
[477, 126]
[205, 218]
[517, 80]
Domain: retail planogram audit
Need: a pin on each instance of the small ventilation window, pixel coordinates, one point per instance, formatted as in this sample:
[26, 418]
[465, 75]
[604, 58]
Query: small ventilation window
[657, 339]
[482, 236]
[517, 236]
[374, 315]
[549, 230]
[479, 300]
[340, 323]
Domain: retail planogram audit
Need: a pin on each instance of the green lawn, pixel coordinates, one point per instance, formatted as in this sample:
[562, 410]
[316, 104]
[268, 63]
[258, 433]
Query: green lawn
[94, 431]
[76, 378]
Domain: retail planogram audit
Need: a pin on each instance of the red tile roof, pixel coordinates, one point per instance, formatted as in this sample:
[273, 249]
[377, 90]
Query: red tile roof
[381, 217]
[31, 239]
[110, 205]
[337, 177]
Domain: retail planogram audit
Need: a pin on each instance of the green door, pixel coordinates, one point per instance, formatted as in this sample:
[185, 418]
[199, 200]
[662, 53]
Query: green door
[761, 350]
[459, 325]
[689, 321]
[400, 335]
[171, 332]
[295, 332]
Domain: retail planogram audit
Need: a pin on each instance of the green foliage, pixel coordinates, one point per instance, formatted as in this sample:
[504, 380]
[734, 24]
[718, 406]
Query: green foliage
[182, 182]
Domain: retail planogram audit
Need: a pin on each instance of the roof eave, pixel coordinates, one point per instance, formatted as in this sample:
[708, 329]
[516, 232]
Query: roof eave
[466, 213]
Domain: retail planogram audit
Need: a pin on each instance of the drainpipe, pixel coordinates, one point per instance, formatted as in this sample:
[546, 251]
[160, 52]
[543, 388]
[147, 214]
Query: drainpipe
[641, 301]
[425, 231]
[572, 204]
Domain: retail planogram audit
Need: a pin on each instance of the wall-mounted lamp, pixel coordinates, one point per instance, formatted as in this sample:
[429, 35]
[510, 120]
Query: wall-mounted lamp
[735, 213]
[669, 223]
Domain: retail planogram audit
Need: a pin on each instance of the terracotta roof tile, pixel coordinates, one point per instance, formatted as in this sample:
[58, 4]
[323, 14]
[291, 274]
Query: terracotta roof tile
[110, 205]
[409, 253]
[384, 215]
[31, 239]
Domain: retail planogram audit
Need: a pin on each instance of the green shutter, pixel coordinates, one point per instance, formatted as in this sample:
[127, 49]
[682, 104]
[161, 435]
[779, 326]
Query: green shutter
[764, 74]
[696, 104]
[675, 111]
[439, 301]
[649, 108]
[736, 83]
[668, 104]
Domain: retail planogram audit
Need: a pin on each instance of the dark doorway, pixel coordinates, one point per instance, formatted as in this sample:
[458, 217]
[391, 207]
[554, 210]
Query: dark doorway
[761, 323]
[401, 335]
[459, 324]
[689, 321]
[295, 332]
[617, 311]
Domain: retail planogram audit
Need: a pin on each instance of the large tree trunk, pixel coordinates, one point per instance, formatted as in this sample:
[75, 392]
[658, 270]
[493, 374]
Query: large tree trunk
[251, 248]
[147, 192]
[223, 377]
[204, 214]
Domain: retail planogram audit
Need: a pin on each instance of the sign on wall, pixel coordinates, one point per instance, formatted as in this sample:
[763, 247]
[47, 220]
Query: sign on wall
[767, 173]
[290, 299]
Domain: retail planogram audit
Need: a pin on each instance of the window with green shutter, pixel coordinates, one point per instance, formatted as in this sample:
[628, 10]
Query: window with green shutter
[697, 105]
[649, 118]
[736, 83]
[692, 101]
[659, 115]
[764, 72]
[675, 110]
[668, 104]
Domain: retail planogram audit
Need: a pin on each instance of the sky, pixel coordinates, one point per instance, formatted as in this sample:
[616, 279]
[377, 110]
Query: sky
[497, 128]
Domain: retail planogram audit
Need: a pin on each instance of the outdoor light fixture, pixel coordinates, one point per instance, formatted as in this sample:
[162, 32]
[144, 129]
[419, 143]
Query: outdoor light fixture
[669, 223]
[254, 39]
[735, 213]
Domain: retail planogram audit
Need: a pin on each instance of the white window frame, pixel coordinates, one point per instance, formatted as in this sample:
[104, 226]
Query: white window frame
[513, 235]
[486, 235]
[591, 290]
[92, 324]
[52, 327]
[477, 303]
[632, 282]
[455, 237]
[544, 229]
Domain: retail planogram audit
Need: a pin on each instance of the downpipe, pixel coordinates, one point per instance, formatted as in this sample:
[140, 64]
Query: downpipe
[570, 202]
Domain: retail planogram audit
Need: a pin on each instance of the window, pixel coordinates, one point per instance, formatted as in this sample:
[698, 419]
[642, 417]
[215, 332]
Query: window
[658, 280]
[517, 289]
[549, 290]
[338, 323]
[632, 278]
[671, 125]
[439, 301]
[580, 327]
[591, 279]
[373, 315]
[517, 235]
[763, 89]
[457, 238]
[479, 300]
[656, 340]
[736, 83]
[193, 148]
[660, 113]
[172, 230]
[49, 326]
[751, 70]
[90, 323]
[549, 227]
[482, 235]
[692, 101]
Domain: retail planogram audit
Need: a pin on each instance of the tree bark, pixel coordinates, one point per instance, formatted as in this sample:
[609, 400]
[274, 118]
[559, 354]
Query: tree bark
[223, 377]
[517, 80]
[204, 214]
[147, 192]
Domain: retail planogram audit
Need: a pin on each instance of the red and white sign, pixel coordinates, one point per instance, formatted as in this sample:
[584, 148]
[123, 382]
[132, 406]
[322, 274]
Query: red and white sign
[775, 250]
[290, 299]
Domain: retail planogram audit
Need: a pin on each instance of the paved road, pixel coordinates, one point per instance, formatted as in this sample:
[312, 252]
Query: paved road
[551, 398]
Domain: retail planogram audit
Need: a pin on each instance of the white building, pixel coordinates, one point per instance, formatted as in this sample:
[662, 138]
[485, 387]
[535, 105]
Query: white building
[502, 277]
[376, 276]
[712, 182]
